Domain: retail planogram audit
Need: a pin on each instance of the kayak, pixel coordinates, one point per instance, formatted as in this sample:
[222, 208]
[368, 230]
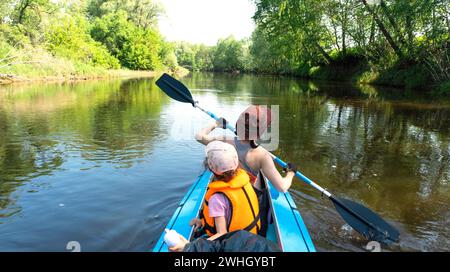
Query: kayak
[287, 228]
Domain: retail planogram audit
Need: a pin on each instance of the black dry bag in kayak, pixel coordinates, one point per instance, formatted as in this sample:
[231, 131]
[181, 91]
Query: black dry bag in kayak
[236, 241]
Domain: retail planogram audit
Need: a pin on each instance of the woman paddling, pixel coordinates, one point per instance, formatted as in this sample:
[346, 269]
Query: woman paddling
[250, 126]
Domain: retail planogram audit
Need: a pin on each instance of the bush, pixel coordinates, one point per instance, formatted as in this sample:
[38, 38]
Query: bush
[134, 47]
[194, 57]
[69, 38]
[141, 50]
[14, 35]
[368, 77]
[444, 88]
[230, 55]
[5, 50]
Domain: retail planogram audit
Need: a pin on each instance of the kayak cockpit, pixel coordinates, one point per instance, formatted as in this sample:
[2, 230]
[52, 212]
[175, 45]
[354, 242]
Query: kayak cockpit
[287, 228]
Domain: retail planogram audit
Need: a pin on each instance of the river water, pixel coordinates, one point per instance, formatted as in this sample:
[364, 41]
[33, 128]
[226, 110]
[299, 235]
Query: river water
[105, 163]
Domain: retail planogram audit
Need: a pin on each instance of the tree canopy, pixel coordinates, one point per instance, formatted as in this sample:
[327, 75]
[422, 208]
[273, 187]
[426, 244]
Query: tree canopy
[383, 33]
[100, 33]
[395, 42]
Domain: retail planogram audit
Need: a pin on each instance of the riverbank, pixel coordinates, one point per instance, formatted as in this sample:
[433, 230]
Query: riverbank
[41, 66]
[107, 74]
[412, 77]
[356, 70]
[96, 73]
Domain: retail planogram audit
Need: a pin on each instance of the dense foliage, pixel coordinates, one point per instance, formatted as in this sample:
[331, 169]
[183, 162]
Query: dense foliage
[68, 37]
[393, 42]
[135, 47]
[98, 33]
[194, 57]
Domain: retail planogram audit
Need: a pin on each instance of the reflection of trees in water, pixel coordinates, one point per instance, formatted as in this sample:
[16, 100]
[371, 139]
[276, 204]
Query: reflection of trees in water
[113, 121]
[25, 153]
[261, 88]
[362, 132]
[394, 158]
[123, 128]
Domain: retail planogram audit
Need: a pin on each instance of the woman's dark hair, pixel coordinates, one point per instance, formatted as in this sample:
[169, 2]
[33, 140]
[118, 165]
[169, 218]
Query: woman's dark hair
[253, 144]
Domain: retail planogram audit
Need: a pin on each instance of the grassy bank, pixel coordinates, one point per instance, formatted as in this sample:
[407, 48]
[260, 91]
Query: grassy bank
[76, 40]
[39, 65]
[351, 68]
[8, 78]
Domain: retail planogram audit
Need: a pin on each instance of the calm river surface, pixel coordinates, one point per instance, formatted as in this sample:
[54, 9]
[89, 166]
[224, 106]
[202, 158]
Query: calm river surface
[105, 163]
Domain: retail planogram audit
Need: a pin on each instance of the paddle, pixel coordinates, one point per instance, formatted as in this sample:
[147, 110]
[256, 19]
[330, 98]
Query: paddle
[360, 218]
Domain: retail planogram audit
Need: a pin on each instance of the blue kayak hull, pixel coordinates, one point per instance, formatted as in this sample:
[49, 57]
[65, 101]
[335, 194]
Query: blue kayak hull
[287, 230]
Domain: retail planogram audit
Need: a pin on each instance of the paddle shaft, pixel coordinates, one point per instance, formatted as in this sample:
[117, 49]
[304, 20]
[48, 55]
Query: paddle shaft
[275, 158]
[215, 117]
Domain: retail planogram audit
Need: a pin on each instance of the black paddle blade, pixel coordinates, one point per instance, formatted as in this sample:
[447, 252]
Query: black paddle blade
[365, 221]
[175, 89]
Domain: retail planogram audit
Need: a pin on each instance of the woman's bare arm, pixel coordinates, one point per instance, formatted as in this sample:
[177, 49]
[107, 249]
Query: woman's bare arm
[282, 184]
[203, 136]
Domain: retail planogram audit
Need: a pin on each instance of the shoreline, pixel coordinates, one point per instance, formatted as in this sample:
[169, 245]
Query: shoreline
[353, 79]
[6, 79]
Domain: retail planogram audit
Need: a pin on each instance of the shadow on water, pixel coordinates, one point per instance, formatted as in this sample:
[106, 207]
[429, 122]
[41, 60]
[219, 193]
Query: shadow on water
[90, 161]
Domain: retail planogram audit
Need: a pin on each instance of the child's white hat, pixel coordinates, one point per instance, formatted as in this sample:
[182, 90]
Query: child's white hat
[221, 157]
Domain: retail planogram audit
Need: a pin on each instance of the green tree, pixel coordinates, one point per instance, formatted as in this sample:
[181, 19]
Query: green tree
[69, 37]
[269, 56]
[136, 48]
[30, 15]
[185, 53]
[204, 58]
[167, 55]
[194, 57]
[300, 24]
[5, 9]
[143, 13]
[384, 34]
[229, 55]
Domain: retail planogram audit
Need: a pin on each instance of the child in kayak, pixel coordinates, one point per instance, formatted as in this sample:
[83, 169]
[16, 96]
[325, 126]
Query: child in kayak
[230, 202]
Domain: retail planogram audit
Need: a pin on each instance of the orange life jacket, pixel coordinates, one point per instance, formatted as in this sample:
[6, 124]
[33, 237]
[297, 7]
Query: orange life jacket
[244, 204]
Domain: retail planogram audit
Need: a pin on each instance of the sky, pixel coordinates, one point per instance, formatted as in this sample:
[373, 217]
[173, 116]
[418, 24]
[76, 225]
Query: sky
[206, 21]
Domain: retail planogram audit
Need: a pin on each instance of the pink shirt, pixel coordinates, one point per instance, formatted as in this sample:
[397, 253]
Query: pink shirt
[219, 205]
